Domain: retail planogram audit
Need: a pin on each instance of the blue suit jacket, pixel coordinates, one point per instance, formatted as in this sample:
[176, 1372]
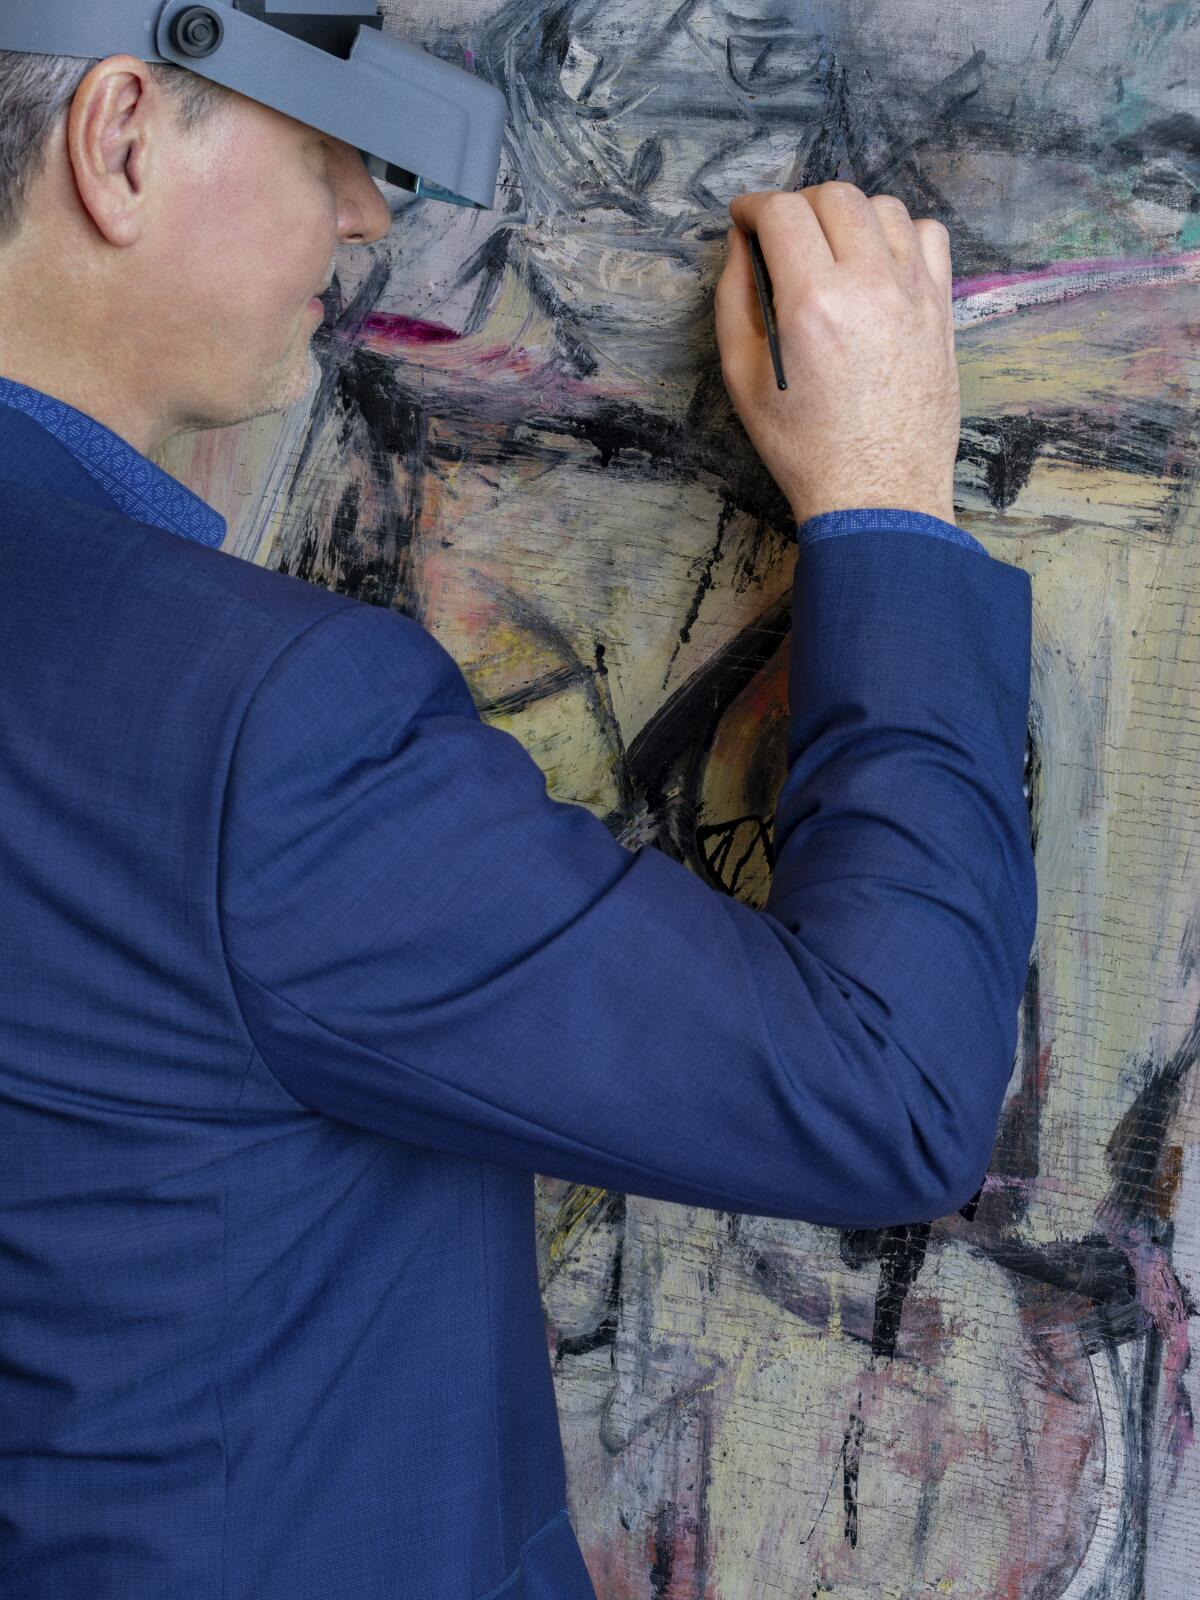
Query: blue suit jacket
[305, 974]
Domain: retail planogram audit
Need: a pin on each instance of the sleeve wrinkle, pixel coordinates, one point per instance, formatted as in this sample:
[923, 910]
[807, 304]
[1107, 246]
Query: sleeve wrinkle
[657, 1173]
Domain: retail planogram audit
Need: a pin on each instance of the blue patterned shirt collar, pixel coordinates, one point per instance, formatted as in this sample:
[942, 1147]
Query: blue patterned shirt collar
[141, 489]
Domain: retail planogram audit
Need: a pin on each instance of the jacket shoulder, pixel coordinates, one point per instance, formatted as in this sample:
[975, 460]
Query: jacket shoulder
[74, 542]
[206, 615]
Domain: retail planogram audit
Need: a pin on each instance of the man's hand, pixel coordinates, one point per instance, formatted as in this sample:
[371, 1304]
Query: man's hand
[871, 414]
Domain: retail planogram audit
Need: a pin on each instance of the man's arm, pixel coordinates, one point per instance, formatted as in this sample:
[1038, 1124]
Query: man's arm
[424, 943]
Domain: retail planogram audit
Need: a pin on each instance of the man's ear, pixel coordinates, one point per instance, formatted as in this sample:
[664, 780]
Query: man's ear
[115, 127]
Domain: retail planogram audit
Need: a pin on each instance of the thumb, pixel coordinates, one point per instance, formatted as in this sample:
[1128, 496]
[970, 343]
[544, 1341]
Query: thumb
[738, 312]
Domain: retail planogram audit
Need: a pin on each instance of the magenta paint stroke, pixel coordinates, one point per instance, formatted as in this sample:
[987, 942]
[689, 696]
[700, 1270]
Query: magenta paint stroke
[999, 294]
[397, 329]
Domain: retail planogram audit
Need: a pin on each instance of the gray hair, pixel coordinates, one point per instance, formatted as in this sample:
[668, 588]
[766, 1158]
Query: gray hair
[36, 90]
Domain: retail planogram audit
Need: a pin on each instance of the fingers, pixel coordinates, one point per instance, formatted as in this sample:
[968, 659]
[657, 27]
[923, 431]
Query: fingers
[897, 227]
[806, 235]
[933, 238]
[793, 242]
[739, 316]
[920, 249]
[805, 232]
[851, 223]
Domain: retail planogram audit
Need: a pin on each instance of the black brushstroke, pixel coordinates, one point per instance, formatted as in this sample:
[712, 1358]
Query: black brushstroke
[851, 1458]
[1014, 444]
[1056, 45]
[664, 1549]
[668, 755]
[371, 563]
[901, 1255]
[1018, 1147]
[1092, 1281]
[604, 1334]
[647, 164]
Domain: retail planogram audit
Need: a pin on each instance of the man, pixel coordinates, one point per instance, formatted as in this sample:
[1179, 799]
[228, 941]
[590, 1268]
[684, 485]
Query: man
[305, 974]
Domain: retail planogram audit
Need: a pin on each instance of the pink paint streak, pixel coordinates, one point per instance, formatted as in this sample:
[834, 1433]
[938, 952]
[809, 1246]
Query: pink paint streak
[396, 329]
[1179, 261]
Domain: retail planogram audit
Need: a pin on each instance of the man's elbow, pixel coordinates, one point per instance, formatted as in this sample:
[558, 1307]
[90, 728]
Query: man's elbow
[932, 1194]
[943, 1148]
[957, 1157]
[901, 1177]
[953, 1100]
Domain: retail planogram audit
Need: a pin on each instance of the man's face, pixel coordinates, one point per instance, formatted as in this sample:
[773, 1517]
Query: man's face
[257, 207]
[163, 280]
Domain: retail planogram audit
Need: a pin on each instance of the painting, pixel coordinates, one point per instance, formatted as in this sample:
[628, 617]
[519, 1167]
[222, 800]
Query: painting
[517, 433]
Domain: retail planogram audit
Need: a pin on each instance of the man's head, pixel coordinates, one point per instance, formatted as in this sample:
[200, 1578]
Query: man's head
[161, 238]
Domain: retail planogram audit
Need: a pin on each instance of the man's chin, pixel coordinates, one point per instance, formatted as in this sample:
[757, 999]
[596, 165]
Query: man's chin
[299, 385]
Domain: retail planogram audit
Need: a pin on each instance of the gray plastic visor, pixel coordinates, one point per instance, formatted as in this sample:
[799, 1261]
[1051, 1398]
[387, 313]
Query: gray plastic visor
[418, 122]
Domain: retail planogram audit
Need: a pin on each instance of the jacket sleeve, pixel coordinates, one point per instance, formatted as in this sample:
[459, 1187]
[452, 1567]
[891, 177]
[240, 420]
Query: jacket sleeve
[424, 943]
[831, 524]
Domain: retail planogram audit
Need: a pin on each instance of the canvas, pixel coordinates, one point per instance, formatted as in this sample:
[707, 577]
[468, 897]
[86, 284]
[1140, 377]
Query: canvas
[518, 435]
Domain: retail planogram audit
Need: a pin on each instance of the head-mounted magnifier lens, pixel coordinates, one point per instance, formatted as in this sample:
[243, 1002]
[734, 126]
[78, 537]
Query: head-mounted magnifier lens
[418, 122]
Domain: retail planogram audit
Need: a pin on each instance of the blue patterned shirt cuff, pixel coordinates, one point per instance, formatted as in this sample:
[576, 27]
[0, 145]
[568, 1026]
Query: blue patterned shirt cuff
[829, 524]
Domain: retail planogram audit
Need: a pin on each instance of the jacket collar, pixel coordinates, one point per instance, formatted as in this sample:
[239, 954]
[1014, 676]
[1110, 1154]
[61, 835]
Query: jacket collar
[50, 446]
[37, 460]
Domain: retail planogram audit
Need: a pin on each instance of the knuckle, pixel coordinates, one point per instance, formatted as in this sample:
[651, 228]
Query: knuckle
[932, 226]
[779, 201]
[890, 202]
[891, 298]
[821, 303]
[837, 188]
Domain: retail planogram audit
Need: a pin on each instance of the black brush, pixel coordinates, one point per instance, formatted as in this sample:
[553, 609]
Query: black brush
[766, 300]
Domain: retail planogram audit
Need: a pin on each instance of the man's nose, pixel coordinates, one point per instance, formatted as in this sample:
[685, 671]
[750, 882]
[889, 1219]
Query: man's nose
[368, 215]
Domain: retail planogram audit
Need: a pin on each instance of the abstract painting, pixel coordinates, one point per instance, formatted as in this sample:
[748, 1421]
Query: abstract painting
[519, 436]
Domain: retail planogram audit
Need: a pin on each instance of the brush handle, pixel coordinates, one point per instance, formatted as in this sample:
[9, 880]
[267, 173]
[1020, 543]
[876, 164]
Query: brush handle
[762, 279]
